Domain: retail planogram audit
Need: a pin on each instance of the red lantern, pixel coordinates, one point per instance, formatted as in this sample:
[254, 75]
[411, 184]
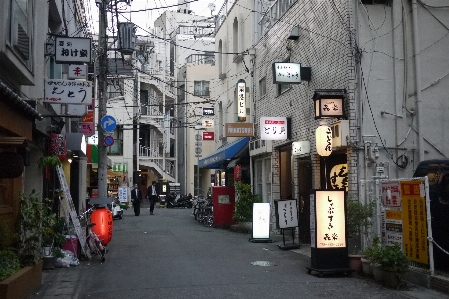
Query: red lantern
[58, 146]
[103, 224]
[237, 173]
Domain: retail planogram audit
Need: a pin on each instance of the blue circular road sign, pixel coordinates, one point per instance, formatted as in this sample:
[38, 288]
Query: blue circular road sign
[108, 123]
[108, 140]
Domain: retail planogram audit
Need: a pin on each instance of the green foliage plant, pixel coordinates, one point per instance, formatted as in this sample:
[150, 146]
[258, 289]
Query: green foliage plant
[358, 217]
[9, 263]
[393, 258]
[244, 205]
[373, 252]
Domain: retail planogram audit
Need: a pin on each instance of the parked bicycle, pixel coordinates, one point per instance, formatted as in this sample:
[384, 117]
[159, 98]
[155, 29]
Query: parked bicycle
[94, 243]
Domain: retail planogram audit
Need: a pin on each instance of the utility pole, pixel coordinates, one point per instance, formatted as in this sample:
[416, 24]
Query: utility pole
[102, 97]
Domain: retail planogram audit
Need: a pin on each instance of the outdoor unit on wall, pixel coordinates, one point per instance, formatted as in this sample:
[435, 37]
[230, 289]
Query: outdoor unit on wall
[127, 38]
[340, 133]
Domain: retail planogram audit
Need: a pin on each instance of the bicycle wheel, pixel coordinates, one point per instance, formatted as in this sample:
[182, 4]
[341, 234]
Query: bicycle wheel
[208, 218]
[92, 247]
[200, 217]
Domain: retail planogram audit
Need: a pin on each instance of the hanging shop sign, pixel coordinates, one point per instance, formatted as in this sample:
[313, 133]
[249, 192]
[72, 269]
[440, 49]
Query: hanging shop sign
[77, 71]
[58, 91]
[414, 221]
[58, 146]
[73, 50]
[323, 138]
[209, 136]
[273, 128]
[286, 72]
[241, 100]
[301, 148]
[123, 194]
[339, 177]
[207, 123]
[208, 111]
[239, 129]
[329, 103]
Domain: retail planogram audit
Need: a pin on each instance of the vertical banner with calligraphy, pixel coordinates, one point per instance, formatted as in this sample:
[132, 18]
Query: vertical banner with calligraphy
[286, 213]
[330, 219]
[414, 221]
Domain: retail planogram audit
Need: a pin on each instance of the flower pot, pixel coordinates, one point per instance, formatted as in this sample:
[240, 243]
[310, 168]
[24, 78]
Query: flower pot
[22, 283]
[378, 272]
[355, 262]
[393, 276]
[366, 267]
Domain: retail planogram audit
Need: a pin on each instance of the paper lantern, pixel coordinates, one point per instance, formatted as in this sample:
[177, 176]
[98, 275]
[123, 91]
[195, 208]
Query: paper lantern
[339, 177]
[323, 136]
[237, 173]
[104, 224]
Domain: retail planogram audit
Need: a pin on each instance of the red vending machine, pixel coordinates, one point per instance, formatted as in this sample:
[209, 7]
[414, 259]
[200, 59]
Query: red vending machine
[224, 205]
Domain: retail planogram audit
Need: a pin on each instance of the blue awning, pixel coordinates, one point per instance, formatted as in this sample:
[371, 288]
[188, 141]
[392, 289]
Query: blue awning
[225, 153]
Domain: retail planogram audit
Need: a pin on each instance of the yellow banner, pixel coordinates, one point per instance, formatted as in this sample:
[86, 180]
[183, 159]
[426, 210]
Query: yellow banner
[414, 221]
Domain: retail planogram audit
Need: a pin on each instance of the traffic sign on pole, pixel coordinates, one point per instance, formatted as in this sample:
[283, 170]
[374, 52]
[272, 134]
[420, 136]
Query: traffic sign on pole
[108, 123]
[108, 140]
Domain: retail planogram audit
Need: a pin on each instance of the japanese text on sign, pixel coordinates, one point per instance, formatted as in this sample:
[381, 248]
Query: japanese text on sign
[287, 213]
[330, 219]
[73, 49]
[390, 194]
[273, 128]
[414, 222]
[286, 72]
[68, 91]
[241, 97]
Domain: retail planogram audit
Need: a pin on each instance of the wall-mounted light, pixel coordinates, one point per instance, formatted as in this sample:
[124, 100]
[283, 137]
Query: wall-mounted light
[323, 137]
[294, 34]
[329, 103]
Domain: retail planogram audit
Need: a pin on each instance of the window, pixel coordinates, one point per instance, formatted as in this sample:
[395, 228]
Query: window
[386, 2]
[21, 27]
[262, 87]
[201, 88]
[235, 36]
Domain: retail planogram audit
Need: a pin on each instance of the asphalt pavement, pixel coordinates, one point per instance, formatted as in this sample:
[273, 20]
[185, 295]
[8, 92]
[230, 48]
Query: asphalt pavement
[170, 255]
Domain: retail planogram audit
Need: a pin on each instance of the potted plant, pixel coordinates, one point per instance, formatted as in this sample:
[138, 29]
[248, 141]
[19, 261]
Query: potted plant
[370, 254]
[27, 247]
[394, 263]
[358, 221]
[52, 235]
[244, 205]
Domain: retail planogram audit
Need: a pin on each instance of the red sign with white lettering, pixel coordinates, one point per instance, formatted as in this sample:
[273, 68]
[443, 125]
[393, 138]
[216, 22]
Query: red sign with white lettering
[208, 136]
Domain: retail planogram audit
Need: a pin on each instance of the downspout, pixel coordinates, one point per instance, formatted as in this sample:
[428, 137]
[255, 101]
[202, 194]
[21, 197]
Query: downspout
[418, 81]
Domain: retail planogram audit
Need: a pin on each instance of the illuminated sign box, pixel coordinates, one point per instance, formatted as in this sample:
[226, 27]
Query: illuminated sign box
[286, 72]
[261, 222]
[274, 128]
[328, 230]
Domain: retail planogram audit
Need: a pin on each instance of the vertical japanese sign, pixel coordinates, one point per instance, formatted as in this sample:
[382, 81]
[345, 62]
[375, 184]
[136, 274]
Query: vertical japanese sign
[390, 195]
[286, 213]
[330, 219]
[123, 194]
[392, 234]
[241, 100]
[87, 123]
[58, 146]
[414, 221]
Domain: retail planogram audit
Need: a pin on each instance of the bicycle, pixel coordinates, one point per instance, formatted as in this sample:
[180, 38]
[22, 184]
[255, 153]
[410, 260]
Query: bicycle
[95, 245]
[208, 219]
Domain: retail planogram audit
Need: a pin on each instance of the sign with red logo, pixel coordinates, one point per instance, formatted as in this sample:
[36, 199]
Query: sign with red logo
[87, 124]
[208, 136]
[57, 146]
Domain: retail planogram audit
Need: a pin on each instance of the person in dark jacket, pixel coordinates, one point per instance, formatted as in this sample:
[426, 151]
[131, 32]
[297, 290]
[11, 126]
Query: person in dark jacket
[152, 195]
[136, 199]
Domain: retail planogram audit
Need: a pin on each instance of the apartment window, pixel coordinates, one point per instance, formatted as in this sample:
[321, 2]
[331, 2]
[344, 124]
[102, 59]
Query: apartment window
[386, 2]
[201, 88]
[262, 87]
[21, 29]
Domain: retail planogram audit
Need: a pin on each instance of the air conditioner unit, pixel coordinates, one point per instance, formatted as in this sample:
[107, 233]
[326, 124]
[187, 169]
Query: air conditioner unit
[340, 133]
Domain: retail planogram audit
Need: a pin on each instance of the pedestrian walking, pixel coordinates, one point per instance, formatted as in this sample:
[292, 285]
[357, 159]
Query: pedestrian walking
[152, 195]
[136, 199]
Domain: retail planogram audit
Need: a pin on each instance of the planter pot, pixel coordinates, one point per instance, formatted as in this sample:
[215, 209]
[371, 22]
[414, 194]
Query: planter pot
[393, 277]
[48, 262]
[366, 266]
[22, 283]
[355, 262]
[378, 272]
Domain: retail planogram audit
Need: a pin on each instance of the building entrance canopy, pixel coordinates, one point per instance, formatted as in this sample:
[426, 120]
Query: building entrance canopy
[223, 154]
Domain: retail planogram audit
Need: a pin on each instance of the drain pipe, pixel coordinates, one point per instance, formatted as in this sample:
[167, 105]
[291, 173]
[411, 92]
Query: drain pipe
[418, 81]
